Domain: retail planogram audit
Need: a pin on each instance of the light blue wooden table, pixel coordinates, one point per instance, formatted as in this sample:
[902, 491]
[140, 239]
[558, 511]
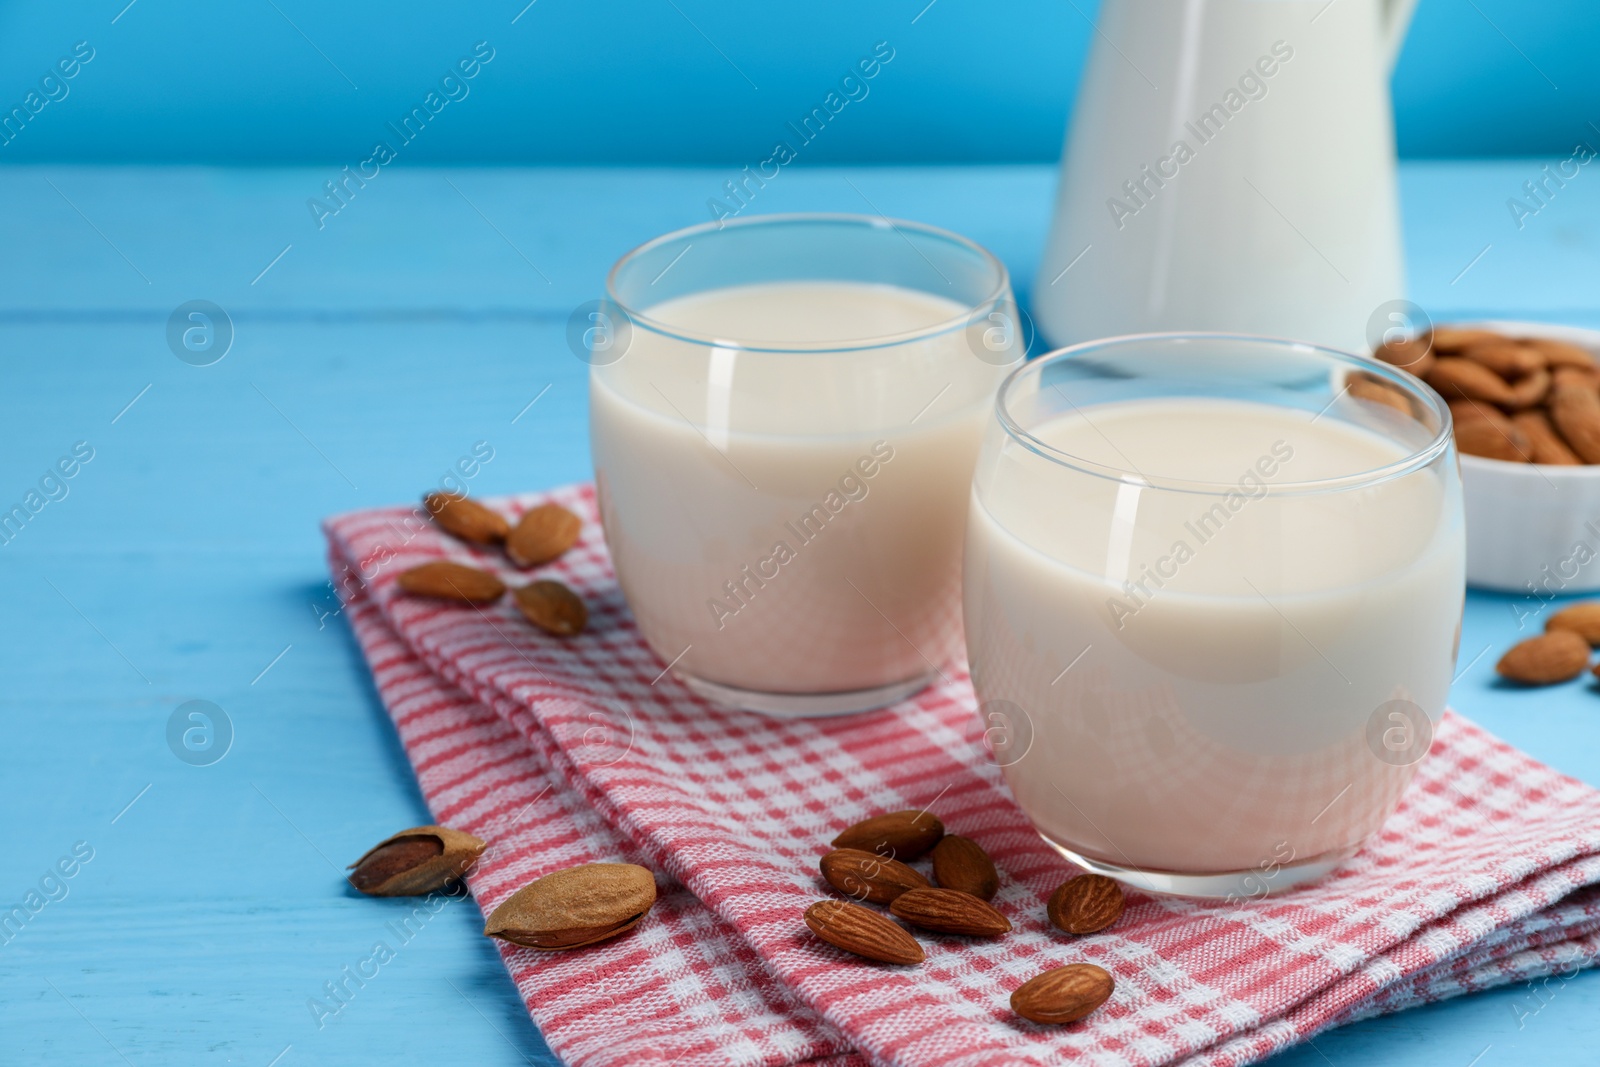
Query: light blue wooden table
[184, 562]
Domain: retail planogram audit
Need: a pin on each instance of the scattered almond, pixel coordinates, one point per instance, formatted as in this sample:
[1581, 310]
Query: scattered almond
[1086, 904]
[1063, 995]
[1581, 619]
[1544, 444]
[961, 863]
[575, 907]
[949, 911]
[542, 534]
[466, 518]
[904, 835]
[863, 932]
[415, 862]
[552, 607]
[451, 581]
[1557, 656]
[864, 876]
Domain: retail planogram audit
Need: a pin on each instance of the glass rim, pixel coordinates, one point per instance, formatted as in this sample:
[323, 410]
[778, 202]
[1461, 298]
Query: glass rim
[1413, 387]
[637, 317]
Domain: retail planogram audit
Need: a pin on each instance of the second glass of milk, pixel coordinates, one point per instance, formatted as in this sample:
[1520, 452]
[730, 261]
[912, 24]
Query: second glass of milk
[1213, 594]
[784, 424]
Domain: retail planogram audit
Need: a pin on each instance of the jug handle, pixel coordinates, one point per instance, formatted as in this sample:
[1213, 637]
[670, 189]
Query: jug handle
[1396, 16]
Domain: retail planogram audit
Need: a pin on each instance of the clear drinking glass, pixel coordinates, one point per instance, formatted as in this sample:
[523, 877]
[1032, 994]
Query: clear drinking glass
[1213, 595]
[784, 424]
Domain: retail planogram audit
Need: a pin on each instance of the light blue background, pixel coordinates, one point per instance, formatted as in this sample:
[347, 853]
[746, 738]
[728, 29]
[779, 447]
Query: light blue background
[695, 81]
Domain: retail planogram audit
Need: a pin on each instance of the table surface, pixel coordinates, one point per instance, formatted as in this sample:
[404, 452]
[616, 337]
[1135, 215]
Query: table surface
[185, 563]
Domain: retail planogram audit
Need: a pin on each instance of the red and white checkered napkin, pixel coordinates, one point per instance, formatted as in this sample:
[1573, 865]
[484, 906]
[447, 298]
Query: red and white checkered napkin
[562, 751]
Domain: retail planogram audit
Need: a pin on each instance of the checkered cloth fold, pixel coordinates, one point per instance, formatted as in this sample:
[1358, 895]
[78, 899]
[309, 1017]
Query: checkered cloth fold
[566, 751]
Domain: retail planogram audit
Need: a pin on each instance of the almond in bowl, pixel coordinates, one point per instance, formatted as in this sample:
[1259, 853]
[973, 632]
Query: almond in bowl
[1525, 401]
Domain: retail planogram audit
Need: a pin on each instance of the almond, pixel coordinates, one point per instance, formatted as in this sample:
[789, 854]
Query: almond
[862, 932]
[466, 518]
[415, 862]
[1086, 904]
[1583, 377]
[961, 863]
[542, 534]
[575, 907]
[1529, 390]
[1492, 438]
[865, 876]
[451, 581]
[1461, 377]
[1509, 359]
[1449, 340]
[1544, 444]
[1561, 353]
[1414, 355]
[1378, 391]
[1581, 619]
[1063, 995]
[1575, 410]
[552, 607]
[949, 911]
[1556, 656]
[904, 835]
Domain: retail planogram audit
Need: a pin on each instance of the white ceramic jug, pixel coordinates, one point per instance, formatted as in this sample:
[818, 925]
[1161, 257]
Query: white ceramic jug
[1230, 166]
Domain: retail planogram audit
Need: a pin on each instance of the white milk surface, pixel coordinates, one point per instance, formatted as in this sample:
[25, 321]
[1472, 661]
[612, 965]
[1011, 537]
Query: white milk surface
[1234, 644]
[793, 519]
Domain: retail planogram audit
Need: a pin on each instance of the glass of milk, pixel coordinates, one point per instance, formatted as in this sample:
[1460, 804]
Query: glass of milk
[784, 414]
[1213, 595]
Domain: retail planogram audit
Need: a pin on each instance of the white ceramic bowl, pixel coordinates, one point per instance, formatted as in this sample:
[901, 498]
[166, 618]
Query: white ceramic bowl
[1533, 527]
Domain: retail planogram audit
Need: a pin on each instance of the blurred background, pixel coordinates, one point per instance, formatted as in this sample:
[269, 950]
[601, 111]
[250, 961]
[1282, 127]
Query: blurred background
[694, 81]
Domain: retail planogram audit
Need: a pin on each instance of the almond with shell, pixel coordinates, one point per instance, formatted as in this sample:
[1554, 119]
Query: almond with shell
[868, 877]
[415, 862]
[466, 518]
[575, 907]
[903, 835]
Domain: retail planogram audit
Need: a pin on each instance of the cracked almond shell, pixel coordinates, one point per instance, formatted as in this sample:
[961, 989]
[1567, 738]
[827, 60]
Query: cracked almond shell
[575, 907]
[415, 862]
